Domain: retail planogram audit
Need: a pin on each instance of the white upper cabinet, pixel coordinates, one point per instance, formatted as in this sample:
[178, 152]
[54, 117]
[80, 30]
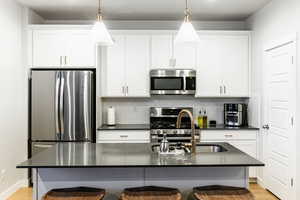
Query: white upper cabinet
[137, 65]
[209, 74]
[63, 48]
[161, 50]
[223, 65]
[125, 67]
[166, 54]
[235, 72]
[81, 49]
[48, 48]
[185, 56]
[113, 78]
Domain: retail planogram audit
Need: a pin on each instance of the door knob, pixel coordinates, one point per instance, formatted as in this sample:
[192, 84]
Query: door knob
[266, 127]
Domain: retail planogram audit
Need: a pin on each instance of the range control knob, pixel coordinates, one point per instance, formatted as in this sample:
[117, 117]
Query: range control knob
[158, 132]
[175, 132]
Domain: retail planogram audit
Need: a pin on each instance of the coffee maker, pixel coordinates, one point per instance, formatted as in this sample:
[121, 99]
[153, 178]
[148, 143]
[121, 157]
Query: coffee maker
[235, 114]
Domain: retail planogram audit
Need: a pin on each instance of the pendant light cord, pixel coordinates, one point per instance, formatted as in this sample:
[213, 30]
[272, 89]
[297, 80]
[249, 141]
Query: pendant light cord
[99, 14]
[187, 11]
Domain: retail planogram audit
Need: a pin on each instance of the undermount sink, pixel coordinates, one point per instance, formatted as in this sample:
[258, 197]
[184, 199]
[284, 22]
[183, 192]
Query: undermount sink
[200, 148]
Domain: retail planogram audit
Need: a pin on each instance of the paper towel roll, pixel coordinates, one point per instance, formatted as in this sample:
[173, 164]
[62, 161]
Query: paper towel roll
[111, 116]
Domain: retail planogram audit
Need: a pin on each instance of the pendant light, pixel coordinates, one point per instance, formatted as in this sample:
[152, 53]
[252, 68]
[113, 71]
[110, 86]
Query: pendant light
[100, 32]
[187, 32]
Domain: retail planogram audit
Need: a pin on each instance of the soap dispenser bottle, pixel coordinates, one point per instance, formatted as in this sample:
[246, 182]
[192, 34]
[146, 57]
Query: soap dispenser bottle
[200, 119]
[205, 119]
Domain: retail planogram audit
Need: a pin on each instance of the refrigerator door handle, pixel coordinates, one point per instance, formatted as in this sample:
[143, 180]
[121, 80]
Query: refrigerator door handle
[86, 105]
[61, 106]
[57, 88]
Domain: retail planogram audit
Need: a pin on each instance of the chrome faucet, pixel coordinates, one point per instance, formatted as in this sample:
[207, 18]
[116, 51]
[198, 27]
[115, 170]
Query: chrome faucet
[178, 124]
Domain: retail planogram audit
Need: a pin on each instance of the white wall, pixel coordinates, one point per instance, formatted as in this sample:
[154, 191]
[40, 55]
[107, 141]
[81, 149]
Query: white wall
[276, 20]
[13, 108]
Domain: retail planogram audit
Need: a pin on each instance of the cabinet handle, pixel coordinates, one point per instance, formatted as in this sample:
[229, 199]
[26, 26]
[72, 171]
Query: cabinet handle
[65, 60]
[229, 136]
[224, 89]
[123, 136]
[221, 90]
[127, 90]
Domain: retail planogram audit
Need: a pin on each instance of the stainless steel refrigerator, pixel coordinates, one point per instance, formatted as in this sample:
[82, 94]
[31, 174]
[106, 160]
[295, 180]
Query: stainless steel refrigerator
[61, 107]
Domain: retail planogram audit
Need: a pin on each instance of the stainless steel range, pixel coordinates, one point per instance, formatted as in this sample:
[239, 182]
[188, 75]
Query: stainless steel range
[163, 122]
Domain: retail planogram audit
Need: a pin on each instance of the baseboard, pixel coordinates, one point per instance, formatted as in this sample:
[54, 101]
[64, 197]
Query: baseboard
[12, 189]
[260, 182]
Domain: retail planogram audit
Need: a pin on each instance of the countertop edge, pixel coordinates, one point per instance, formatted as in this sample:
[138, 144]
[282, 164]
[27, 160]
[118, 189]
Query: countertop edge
[133, 127]
[141, 166]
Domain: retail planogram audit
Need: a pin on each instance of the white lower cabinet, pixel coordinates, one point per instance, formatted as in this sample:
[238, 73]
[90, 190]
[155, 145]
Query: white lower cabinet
[123, 136]
[245, 140]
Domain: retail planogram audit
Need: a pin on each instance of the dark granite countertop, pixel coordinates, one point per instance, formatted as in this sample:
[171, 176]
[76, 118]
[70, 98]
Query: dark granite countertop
[147, 127]
[90, 155]
[125, 127]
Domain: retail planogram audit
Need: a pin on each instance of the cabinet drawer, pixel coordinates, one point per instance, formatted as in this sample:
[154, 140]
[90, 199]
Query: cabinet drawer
[228, 135]
[123, 136]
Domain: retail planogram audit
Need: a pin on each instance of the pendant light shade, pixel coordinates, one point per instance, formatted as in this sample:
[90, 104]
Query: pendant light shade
[187, 32]
[100, 33]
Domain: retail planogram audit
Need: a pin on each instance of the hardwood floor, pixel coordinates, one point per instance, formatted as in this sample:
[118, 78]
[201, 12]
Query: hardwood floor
[22, 194]
[259, 193]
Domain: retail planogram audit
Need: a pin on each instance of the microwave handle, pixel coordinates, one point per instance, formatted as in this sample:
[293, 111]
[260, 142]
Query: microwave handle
[184, 83]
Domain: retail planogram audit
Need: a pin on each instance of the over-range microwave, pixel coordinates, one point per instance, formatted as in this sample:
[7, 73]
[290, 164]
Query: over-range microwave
[173, 81]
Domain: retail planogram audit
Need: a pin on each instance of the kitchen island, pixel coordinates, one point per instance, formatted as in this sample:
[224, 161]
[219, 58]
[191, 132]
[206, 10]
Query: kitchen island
[117, 166]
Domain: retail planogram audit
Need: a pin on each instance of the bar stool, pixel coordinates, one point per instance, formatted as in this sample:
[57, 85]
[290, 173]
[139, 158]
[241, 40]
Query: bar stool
[151, 193]
[78, 193]
[217, 192]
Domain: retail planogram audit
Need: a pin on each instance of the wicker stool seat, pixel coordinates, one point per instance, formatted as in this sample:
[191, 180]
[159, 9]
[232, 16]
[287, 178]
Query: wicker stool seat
[151, 193]
[221, 193]
[79, 193]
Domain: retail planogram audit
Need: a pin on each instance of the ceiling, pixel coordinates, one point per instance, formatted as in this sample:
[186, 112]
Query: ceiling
[145, 9]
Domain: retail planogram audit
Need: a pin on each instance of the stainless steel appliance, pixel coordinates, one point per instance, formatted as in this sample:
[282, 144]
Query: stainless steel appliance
[163, 122]
[173, 82]
[61, 107]
[235, 115]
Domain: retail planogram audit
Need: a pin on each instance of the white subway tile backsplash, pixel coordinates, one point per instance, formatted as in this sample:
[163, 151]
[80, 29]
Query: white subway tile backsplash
[136, 111]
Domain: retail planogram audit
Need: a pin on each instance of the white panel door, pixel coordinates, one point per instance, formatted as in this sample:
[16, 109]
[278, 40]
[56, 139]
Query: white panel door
[234, 51]
[161, 51]
[209, 71]
[81, 49]
[114, 75]
[185, 56]
[137, 65]
[281, 90]
[49, 47]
